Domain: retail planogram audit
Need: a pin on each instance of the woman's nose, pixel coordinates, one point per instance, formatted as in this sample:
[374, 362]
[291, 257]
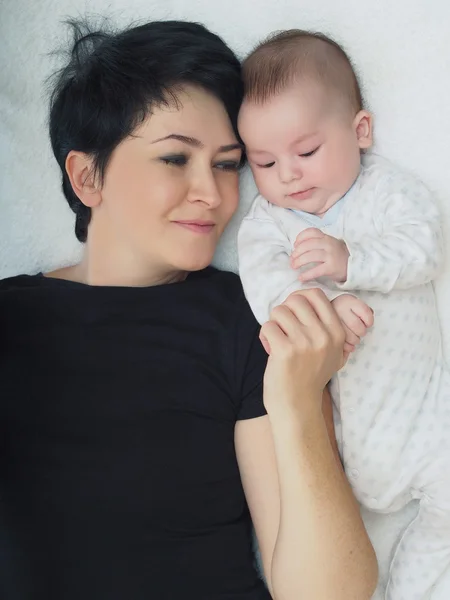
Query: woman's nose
[204, 189]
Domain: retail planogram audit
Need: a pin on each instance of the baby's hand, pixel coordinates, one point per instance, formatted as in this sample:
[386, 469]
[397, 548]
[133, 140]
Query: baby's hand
[356, 317]
[329, 254]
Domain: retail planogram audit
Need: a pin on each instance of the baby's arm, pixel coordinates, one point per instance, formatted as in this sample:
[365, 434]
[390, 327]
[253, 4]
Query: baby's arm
[408, 251]
[265, 266]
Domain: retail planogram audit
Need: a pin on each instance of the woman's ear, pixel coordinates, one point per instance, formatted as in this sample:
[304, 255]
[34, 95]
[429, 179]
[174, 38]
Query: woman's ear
[363, 124]
[79, 168]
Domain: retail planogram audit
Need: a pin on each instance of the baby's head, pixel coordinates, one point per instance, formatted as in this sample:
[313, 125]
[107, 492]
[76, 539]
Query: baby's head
[303, 121]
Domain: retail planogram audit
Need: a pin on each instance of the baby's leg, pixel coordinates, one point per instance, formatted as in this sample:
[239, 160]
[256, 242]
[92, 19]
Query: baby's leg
[421, 565]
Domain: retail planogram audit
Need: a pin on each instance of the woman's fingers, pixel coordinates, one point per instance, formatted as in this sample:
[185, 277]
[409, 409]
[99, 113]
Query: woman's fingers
[287, 320]
[272, 336]
[302, 309]
[306, 341]
[323, 316]
[265, 342]
[289, 323]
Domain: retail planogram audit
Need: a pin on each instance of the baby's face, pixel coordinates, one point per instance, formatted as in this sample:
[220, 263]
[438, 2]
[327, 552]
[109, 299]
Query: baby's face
[303, 152]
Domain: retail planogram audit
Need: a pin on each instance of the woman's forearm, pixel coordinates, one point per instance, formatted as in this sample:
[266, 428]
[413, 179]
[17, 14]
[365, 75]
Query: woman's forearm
[322, 550]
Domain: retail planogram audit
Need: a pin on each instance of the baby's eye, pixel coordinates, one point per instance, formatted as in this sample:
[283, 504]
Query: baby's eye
[266, 166]
[307, 154]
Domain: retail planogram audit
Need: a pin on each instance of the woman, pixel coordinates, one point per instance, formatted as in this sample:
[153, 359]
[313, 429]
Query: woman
[137, 437]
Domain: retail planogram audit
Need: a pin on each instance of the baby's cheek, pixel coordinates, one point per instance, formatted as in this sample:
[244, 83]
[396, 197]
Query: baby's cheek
[267, 185]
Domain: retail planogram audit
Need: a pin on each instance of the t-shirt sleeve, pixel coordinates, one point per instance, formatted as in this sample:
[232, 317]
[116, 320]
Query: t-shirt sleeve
[249, 364]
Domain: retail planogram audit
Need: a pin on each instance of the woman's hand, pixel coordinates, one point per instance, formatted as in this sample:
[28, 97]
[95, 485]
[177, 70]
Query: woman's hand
[305, 342]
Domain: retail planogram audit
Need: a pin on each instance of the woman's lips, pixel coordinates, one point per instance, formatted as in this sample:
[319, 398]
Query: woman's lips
[197, 226]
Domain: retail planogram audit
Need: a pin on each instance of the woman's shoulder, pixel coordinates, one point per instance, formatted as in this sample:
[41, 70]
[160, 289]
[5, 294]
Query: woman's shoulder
[19, 282]
[243, 325]
[17, 299]
[246, 355]
[223, 292]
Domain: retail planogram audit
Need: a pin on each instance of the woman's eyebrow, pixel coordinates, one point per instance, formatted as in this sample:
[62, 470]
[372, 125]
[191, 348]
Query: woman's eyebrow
[190, 141]
[195, 143]
[230, 147]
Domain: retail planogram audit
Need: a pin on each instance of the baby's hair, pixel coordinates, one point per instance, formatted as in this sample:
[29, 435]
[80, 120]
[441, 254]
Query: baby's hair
[293, 56]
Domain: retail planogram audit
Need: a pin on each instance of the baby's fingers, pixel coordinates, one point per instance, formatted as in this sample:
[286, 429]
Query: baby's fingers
[349, 348]
[364, 313]
[351, 339]
[356, 326]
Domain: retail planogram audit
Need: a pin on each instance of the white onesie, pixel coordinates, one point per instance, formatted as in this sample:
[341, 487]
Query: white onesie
[392, 399]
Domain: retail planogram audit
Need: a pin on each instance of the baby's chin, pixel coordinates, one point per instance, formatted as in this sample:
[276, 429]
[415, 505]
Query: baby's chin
[281, 201]
[308, 206]
[313, 206]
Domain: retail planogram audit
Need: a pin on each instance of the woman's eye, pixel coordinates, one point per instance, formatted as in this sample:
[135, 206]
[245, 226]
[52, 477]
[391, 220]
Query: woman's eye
[266, 166]
[307, 154]
[177, 160]
[228, 165]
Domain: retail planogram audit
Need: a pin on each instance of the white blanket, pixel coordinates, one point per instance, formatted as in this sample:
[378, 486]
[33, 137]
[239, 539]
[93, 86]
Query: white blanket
[401, 50]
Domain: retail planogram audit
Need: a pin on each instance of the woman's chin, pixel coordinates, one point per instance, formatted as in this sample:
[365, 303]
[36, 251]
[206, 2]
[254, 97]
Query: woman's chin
[195, 262]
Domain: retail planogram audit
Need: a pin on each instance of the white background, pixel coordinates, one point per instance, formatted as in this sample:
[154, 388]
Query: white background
[401, 49]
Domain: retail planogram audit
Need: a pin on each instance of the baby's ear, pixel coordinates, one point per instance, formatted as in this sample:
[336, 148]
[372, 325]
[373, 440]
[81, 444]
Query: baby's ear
[363, 124]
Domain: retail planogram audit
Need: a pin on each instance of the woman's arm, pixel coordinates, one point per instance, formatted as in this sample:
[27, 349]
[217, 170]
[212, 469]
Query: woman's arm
[327, 412]
[322, 548]
[312, 540]
[326, 545]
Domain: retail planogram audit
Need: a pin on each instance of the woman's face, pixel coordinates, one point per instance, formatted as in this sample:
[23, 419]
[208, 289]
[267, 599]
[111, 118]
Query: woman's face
[171, 188]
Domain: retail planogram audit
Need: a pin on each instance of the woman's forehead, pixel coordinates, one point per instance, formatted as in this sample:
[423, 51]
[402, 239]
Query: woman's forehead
[193, 114]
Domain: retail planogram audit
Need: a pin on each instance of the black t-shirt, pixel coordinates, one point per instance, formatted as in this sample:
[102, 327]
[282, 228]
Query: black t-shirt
[118, 472]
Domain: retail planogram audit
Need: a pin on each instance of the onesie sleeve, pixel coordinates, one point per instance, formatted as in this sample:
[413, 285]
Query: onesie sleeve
[249, 364]
[264, 263]
[406, 249]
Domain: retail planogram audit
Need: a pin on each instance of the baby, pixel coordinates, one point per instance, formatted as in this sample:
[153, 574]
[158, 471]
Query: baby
[367, 234]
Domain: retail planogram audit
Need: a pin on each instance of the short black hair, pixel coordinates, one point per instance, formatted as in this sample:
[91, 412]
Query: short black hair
[112, 80]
